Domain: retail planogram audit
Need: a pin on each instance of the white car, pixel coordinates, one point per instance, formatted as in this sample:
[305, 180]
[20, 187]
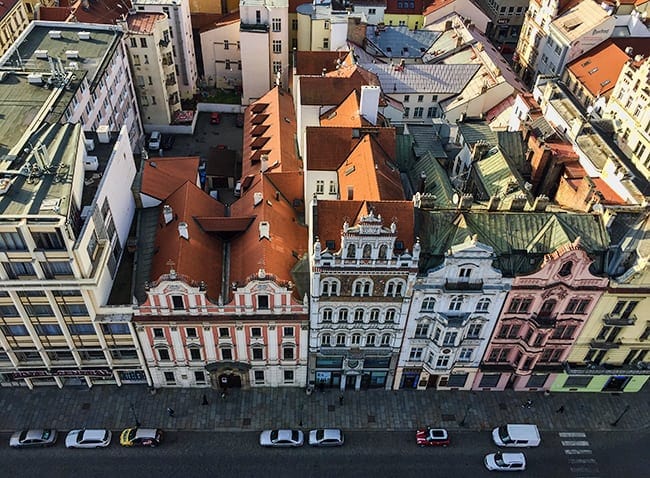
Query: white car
[326, 437]
[88, 438]
[282, 438]
[154, 140]
[505, 461]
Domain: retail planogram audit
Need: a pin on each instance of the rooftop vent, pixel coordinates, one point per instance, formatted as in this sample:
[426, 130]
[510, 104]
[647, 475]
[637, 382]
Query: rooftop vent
[257, 198]
[55, 33]
[35, 79]
[183, 231]
[168, 213]
[84, 35]
[265, 230]
[5, 184]
[41, 54]
[71, 54]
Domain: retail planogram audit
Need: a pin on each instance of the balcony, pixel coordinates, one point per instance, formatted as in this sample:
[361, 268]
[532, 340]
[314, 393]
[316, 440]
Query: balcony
[497, 367]
[603, 344]
[467, 286]
[608, 319]
[544, 321]
[639, 368]
[253, 27]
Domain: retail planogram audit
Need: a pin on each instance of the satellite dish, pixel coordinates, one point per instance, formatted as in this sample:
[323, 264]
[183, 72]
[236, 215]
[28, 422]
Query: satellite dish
[455, 198]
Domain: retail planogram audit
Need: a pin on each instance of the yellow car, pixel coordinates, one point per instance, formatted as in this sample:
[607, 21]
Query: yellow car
[141, 437]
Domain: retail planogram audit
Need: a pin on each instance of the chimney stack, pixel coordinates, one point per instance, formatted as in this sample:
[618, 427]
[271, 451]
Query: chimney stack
[493, 205]
[369, 103]
[540, 203]
[518, 203]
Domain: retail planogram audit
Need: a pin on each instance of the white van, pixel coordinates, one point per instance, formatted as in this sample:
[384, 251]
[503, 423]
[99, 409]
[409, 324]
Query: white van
[516, 435]
[237, 191]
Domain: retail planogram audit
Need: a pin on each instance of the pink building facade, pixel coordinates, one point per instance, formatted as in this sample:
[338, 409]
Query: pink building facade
[540, 321]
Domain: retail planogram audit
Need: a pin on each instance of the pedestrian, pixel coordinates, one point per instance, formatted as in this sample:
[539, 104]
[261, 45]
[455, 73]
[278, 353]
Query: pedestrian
[160, 152]
[300, 423]
[560, 410]
[170, 411]
[321, 386]
[223, 393]
[205, 400]
[527, 404]
[341, 399]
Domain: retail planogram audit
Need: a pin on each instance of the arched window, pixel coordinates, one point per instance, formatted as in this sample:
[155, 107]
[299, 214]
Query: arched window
[352, 251]
[456, 303]
[385, 340]
[327, 315]
[330, 287]
[565, 270]
[343, 315]
[355, 339]
[367, 250]
[326, 340]
[374, 315]
[394, 288]
[428, 305]
[383, 251]
[340, 340]
[362, 288]
[391, 316]
[358, 315]
[371, 340]
[483, 305]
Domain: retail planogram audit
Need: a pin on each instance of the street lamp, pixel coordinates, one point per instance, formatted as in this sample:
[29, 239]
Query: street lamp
[467, 410]
[135, 416]
[615, 422]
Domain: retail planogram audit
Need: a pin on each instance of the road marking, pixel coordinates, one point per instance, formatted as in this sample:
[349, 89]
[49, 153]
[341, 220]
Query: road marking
[575, 443]
[577, 461]
[583, 469]
[572, 435]
[577, 452]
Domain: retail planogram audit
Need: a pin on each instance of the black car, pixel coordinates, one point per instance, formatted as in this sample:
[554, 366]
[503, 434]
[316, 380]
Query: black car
[168, 141]
[239, 120]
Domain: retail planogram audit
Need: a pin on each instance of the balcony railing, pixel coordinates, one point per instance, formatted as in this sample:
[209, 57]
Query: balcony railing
[608, 319]
[476, 285]
[639, 368]
[604, 345]
[544, 321]
[253, 27]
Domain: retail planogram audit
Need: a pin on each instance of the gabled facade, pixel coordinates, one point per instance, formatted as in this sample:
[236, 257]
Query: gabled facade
[362, 275]
[452, 314]
[220, 48]
[543, 316]
[322, 26]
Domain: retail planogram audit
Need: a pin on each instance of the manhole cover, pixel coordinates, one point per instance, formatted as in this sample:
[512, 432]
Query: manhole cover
[448, 418]
[503, 406]
[371, 419]
[246, 422]
[85, 406]
[331, 408]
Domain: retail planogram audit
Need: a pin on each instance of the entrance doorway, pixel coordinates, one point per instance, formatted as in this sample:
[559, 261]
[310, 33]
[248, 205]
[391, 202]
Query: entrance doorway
[351, 382]
[229, 380]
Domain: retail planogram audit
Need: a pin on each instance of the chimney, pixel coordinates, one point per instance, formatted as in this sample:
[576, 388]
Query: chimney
[540, 203]
[103, 134]
[479, 149]
[350, 193]
[493, 205]
[168, 213]
[183, 231]
[466, 201]
[369, 103]
[264, 162]
[628, 51]
[422, 182]
[518, 203]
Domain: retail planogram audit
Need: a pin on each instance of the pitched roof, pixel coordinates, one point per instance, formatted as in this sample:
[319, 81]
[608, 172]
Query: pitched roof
[199, 257]
[317, 62]
[347, 113]
[162, 176]
[327, 148]
[430, 78]
[143, 23]
[332, 215]
[333, 88]
[369, 171]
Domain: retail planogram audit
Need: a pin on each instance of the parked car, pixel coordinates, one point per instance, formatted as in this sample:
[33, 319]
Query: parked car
[154, 140]
[282, 438]
[215, 118]
[239, 120]
[505, 461]
[168, 141]
[33, 438]
[326, 437]
[432, 437]
[237, 191]
[141, 437]
[516, 435]
[88, 438]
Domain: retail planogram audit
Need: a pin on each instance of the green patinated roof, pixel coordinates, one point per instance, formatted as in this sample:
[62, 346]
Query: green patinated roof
[495, 175]
[519, 239]
[474, 131]
[437, 182]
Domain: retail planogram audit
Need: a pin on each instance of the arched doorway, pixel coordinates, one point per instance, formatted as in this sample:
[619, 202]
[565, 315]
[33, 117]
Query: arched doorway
[226, 375]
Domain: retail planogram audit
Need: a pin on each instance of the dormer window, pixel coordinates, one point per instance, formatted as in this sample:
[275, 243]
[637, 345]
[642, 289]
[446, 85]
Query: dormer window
[428, 305]
[352, 251]
[565, 270]
[177, 302]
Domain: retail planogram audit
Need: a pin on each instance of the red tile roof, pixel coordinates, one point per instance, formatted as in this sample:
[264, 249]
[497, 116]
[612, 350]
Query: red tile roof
[162, 176]
[200, 257]
[208, 21]
[6, 6]
[333, 88]
[332, 215]
[315, 62]
[345, 114]
[143, 23]
[436, 5]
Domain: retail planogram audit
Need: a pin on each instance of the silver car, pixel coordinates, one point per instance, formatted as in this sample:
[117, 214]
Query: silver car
[282, 438]
[32, 438]
[88, 438]
[326, 437]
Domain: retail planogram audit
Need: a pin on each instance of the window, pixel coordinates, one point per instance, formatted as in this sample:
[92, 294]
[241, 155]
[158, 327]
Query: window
[432, 111]
[509, 331]
[136, 60]
[262, 301]
[158, 333]
[422, 330]
[362, 288]
[116, 329]
[13, 241]
[14, 330]
[288, 376]
[326, 43]
[370, 340]
[456, 303]
[407, 98]
[277, 67]
[199, 377]
[420, 98]
[326, 25]
[537, 380]
[224, 332]
[474, 331]
[177, 302]
[428, 305]
[259, 377]
[277, 46]
[498, 355]
[287, 331]
[287, 353]
[355, 339]
[577, 306]
[320, 186]
[374, 315]
[146, 59]
[330, 287]
[391, 316]
[352, 251]
[394, 288]
[385, 340]
[465, 355]
[195, 353]
[406, 112]
[343, 315]
[190, 332]
[340, 340]
[45, 240]
[19, 269]
[228, 66]
[483, 305]
[325, 340]
[547, 308]
[327, 315]
[358, 315]
[226, 354]
[564, 332]
[565, 270]
[418, 112]
[134, 42]
[415, 353]
[519, 305]
[450, 338]
[256, 332]
[443, 361]
[276, 24]
[170, 379]
[294, 24]
[624, 308]
[333, 187]
[163, 355]
[258, 353]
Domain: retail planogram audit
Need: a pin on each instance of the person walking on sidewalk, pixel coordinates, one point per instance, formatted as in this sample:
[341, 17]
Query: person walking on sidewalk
[341, 399]
[560, 410]
[170, 412]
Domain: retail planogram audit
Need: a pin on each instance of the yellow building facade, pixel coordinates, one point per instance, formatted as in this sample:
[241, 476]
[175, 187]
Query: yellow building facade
[13, 22]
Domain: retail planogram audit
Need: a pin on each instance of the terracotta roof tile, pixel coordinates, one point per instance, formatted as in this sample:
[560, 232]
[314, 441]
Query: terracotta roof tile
[332, 90]
[345, 114]
[162, 176]
[143, 23]
[225, 224]
[315, 62]
[200, 256]
[332, 215]
[209, 21]
[54, 14]
[436, 5]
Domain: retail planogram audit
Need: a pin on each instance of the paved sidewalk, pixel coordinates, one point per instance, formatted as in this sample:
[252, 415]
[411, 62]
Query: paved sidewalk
[115, 408]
